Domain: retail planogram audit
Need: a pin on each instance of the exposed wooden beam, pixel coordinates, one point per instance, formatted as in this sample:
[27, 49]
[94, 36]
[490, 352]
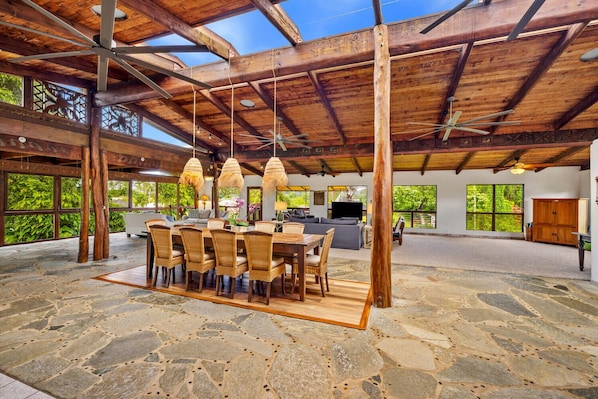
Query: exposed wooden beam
[565, 154]
[201, 35]
[378, 20]
[313, 77]
[298, 167]
[514, 155]
[457, 74]
[36, 73]
[571, 34]
[357, 47]
[326, 167]
[577, 109]
[357, 166]
[259, 172]
[465, 161]
[279, 18]
[425, 164]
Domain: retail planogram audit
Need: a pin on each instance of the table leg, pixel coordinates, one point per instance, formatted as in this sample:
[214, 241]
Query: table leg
[581, 251]
[301, 271]
[149, 256]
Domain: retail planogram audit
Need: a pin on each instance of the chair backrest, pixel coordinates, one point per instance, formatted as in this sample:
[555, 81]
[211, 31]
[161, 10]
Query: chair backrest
[258, 245]
[225, 246]
[325, 250]
[293, 227]
[265, 226]
[193, 243]
[399, 226]
[215, 223]
[162, 240]
[150, 222]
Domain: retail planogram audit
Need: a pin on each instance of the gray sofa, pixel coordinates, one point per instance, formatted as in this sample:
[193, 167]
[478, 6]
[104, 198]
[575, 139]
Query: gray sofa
[348, 233]
[199, 217]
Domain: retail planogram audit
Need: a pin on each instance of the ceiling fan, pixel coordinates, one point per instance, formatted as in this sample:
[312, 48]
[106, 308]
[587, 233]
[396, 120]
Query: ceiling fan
[466, 126]
[105, 48]
[519, 167]
[278, 138]
[531, 11]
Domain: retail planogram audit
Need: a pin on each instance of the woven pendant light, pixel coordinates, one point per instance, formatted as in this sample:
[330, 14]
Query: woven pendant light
[274, 173]
[230, 175]
[193, 171]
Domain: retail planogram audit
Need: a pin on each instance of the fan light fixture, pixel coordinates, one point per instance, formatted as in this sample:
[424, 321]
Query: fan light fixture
[193, 172]
[274, 173]
[230, 175]
[119, 15]
[518, 168]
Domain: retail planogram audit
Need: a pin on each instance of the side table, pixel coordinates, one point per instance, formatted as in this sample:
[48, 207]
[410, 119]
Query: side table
[367, 236]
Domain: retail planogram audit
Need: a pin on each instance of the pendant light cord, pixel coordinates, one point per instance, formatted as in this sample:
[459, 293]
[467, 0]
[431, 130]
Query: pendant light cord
[194, 96]
[274, 107]
[232, 109]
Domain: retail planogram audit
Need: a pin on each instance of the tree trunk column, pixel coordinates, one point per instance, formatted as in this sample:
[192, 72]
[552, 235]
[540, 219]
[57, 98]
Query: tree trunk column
[382, 176]
[84, 229]
[96, 184]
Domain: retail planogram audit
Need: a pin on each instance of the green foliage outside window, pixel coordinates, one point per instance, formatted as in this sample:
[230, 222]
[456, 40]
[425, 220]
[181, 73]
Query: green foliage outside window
[11, 89]
[294, 198]
[495, 207]
[118, 194]
[71, 193]
[144, 194]
[28, 228]
[29, 192]
[187, 196]
[417, 204]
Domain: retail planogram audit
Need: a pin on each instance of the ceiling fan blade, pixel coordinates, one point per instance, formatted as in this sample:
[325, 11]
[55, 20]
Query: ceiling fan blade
[440, 125]
[529, 14]
[107, 23]
[52, 55]
[447, 132]
[59, 21]
[264, 146]
[102, 84]
[165, 71]
[160, 49]
[489, 116]
[255, 137]
[490, 123]
[142, 77]
[281, 144]
[454, 118]
[425, 134]
[471, 130]
[39, 32]
[446, 16]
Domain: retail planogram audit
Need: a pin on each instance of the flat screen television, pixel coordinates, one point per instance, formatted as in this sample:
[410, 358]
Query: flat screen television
[347, 210]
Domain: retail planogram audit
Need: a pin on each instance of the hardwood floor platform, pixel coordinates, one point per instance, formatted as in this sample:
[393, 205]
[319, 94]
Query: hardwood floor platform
[347, 304]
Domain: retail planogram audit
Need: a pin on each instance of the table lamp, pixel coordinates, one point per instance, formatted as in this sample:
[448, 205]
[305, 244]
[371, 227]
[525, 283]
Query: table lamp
[280, 207]
[204, 198]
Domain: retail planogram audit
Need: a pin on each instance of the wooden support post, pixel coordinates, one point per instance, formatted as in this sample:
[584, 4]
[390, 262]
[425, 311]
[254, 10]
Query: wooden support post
[106, 213]
[84, 229]
[96, 184]
[382, 176]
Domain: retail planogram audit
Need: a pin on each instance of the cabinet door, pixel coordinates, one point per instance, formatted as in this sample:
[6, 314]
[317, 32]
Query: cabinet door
[544, 211]
[566, 213]
[544, 233]
[564, 235]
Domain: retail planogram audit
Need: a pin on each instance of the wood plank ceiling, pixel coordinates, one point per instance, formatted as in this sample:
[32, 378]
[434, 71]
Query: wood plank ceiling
[324, 88]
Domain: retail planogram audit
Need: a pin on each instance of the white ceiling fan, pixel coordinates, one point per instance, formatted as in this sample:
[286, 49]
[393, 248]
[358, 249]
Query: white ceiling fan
[105, 48]
[453, 123]
[278, 138]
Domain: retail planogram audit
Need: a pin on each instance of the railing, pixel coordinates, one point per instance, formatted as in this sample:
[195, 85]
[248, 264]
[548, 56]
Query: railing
[417, 219]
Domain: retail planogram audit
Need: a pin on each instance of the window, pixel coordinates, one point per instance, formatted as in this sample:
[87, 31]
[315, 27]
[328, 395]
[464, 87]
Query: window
[296, 197]
[495, 207]
[70, 191]
[417, 205]
[11, 89]
[347, 194]
[118, 194]
[30, 192]
[144, 194]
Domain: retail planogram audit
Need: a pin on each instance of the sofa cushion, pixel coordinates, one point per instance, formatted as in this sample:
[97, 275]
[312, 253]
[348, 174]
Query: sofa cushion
[193, 213]
[338, 221]
[304, 220]
[203, 213]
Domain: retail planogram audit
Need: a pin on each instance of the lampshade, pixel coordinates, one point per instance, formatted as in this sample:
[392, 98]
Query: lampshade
[274, 175]
[192, 174]
[204, 198]
[369, 208]
[280, 206]
[231, 175]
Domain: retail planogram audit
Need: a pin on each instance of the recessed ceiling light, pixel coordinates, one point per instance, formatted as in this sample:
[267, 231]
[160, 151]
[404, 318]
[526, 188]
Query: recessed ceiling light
[591, 55]
[119, 15]
[22, 139]
[247, 103]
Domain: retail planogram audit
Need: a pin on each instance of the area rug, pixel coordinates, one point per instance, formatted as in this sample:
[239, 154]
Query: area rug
[347, 303]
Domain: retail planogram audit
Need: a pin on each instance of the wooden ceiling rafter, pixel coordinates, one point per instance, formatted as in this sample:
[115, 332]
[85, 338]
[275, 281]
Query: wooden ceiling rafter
[577, 109]
[357, 166]
[201, 35]
[567, 38]
[298, 167]
[424, 166]
[512, 157]
[313, 77]
[465, 161]
[326, 167]
[280, 20]
[14, 69]
[564, 154]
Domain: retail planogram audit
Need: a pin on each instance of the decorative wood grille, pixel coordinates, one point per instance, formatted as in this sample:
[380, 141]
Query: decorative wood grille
[120, 119]
[55, 100]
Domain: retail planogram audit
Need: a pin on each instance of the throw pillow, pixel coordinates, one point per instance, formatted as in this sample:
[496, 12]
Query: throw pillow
[193, 213]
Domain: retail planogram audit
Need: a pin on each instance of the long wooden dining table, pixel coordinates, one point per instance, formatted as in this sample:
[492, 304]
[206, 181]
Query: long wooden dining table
[283, 243]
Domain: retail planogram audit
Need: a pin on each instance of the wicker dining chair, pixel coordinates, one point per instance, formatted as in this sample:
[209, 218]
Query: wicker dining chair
[197, 259]
[265, 226]
[318, 264]
[262, 265]
[228, 260]
[293, 227]
[165, 255]
[215, 223]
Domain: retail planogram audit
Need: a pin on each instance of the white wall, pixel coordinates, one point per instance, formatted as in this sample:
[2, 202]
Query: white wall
[564, 182]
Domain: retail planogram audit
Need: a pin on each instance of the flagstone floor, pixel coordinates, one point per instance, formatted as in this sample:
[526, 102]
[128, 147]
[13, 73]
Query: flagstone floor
[450, 334]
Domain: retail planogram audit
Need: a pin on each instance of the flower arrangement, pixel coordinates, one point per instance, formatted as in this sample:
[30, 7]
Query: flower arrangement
[253, 207]
[233, 213]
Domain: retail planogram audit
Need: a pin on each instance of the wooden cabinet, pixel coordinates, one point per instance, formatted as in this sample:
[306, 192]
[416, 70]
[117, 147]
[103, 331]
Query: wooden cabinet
[555, 220]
